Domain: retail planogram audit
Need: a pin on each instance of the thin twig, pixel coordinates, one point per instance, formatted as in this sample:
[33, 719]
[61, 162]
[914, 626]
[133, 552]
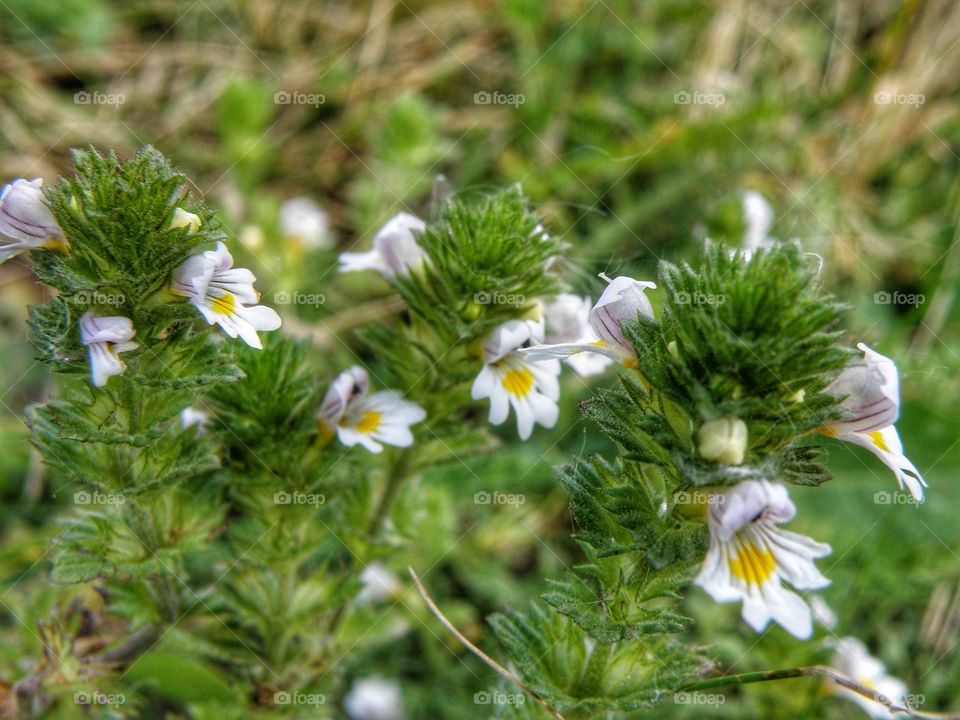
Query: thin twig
[815, 670]
[477, 651]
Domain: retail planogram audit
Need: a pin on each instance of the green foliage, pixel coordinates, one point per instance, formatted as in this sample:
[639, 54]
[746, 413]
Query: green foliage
[489, 262]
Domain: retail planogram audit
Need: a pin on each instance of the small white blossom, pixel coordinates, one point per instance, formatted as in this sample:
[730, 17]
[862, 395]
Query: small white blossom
[183, 219]
[106, 338]
[195, 416]
[26, 222]
[383, 418]
[871, 392]
[623, 300]
[379, 584]
[723, 440]
[567, 320]
[852, 659]
[374, 699]
[758, 216]
[508, 379]
[823, 613]
[224, 295]
[395, 249]
[305, 224]
[750, 555]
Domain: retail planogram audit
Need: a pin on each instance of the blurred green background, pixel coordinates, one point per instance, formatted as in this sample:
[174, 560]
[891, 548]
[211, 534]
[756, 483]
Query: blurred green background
[635, 127]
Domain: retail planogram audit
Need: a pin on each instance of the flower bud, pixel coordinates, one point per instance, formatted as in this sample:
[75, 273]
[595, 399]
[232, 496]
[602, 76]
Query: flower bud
[183, 219]
[723, 440]
[25, 219]
[622, 301]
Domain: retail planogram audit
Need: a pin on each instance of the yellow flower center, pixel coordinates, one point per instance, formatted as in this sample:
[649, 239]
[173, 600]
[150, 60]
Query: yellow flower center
[751, 564]
[877, 438]
[518, 382]
[369, 422]
[223, 305]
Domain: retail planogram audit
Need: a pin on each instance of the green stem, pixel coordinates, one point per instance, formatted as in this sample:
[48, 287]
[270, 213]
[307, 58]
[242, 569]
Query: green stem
[398, 473]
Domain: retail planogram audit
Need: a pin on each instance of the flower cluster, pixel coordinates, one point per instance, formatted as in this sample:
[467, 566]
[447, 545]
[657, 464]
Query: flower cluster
[750, 556]
[521, 357]
[223, 294]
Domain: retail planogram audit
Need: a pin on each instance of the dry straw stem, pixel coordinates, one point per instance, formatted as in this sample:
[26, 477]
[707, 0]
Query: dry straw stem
[477, 651]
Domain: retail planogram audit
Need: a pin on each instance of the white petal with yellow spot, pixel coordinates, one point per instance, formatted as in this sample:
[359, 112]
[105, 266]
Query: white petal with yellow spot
[871, 391]
[750, 557]
[222, 293]
[509, 380]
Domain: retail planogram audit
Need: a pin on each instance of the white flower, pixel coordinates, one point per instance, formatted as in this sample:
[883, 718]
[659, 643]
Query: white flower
[852, 659]
[106, 338]
[749, 556]
[221, 293]
[379, 584]
[871, 391]
[183, 219]
[723, 440]
[374, 699]
[508, 379]
[305, 224]
[758, 216]
[567, 320]
[395, 249]
[195, 416]
[25, 219]
[623, 300]
[383, 418]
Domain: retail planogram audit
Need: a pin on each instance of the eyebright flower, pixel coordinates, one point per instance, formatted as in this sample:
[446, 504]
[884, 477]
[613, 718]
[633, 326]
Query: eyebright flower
[374, 699]
[852, 658]
[567, 320]
[383, 418]
[750, 555]
[106, 338]
[183, 219]
[623, 300]
[26, 222]
[395, 249]
[379, 584]
[221, 293]
[723, 440]
[508, 379]
[871, 391]
[305, 224]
